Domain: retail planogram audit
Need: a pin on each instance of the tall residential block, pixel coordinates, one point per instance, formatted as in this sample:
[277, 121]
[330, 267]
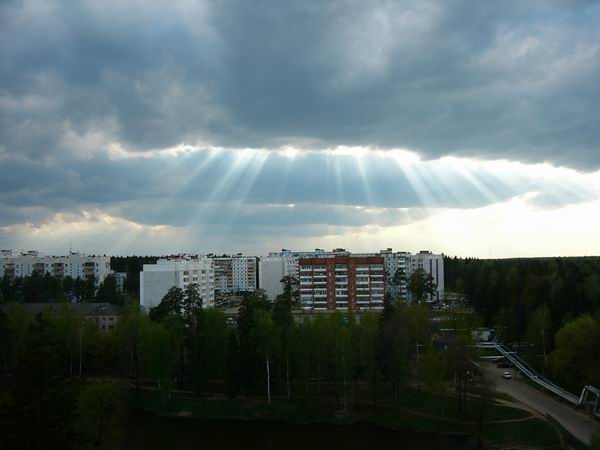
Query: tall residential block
[157, 279]
[276, 265]
[397, 268]
[342, 282]
[236, 273]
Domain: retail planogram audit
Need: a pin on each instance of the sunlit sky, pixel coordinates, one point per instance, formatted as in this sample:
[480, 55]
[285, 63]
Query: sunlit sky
[463, 127]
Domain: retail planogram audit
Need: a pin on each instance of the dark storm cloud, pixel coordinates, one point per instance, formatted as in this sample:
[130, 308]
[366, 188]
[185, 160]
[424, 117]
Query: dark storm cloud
[509, 79]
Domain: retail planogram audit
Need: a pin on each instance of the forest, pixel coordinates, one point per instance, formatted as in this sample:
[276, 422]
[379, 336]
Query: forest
[63, 376]
[548, 308]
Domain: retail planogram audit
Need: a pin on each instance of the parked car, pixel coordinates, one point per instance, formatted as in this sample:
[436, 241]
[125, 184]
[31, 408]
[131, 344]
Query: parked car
[506, 375]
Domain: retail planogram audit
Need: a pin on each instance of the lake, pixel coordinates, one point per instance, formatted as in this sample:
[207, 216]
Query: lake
[146, 431]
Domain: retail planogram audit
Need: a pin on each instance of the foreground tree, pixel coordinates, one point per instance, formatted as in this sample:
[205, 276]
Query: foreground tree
[157, 357]
[264, 335]
[129, 330]
[576, 359]
[101, 409]
[40, 401]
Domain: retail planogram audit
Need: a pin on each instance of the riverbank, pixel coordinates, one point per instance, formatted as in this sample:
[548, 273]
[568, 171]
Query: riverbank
[415, 412]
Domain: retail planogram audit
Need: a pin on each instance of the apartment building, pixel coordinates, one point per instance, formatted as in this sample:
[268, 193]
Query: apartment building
[235, 273]
[271, 269]
[397, 262]
[276, 265]
[157, 279]
[433, 265]
[342, 282]
[74, 265]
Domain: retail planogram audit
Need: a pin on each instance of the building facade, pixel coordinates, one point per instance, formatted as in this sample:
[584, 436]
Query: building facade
[235, 274]
[276, 265]
[157, 279]
[397, 270]
[74, 265]
[342, 282]
[271, 270]
[433, 265]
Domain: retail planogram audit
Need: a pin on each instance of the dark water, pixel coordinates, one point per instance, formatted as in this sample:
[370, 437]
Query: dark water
[149, 432]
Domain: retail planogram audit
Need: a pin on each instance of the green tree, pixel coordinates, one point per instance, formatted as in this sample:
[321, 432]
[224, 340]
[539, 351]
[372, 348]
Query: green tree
[171, 303]
[128, 330]
[41, 402]
[101, 410]
[18, 321]
[434, 376]
[5, 340]
[232, 365]
[394, 345]
[291, 290]
[156, 355]
[211, 341]
[108, 293]
[369, 352]
[421, 284]
[595, 444]
[176, 329]
[67, 324]
[282, 317]
[575, 360]
[539, 329]
[264, 335]
[418, 324]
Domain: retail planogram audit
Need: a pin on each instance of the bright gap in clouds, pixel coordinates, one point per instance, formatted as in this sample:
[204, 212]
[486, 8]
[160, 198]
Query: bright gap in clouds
[259, 200]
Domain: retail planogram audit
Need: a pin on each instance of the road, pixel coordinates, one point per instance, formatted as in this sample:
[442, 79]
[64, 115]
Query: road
[576, 422]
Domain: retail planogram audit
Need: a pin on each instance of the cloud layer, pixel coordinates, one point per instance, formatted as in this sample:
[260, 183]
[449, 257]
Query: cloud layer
[264, 124]
[504, 79]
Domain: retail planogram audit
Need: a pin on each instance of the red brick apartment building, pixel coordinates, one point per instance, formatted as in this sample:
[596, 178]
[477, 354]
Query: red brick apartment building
[342, 282]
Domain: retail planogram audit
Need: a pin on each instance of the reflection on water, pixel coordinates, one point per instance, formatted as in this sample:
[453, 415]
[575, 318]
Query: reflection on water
[149, 432]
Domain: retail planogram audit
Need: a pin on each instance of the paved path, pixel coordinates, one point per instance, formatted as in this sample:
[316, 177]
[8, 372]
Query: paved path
[577, 423]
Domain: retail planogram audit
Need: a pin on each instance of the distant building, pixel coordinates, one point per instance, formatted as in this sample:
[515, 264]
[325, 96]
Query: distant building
[342, 282]
[74, 265]
[272, 269]
[407, 263]
[433, 265]
[397, 263]
[157, 279]
[276, 265]
[235, 273]
[105, 315]
[120, 278]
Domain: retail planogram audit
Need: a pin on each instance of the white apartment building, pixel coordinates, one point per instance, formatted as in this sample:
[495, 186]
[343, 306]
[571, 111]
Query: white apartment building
[157, 279]
[430, 263]
[235, 273]
[271, 269]
[433, 265]
[394, 261]
[74, 265]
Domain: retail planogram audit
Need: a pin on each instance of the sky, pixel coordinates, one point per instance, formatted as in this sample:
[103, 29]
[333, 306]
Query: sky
[466, 128]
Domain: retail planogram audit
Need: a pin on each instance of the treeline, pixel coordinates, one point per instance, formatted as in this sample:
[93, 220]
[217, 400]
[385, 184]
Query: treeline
[569, 287]
[547, 308]
[49, 289]
[181, 345]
